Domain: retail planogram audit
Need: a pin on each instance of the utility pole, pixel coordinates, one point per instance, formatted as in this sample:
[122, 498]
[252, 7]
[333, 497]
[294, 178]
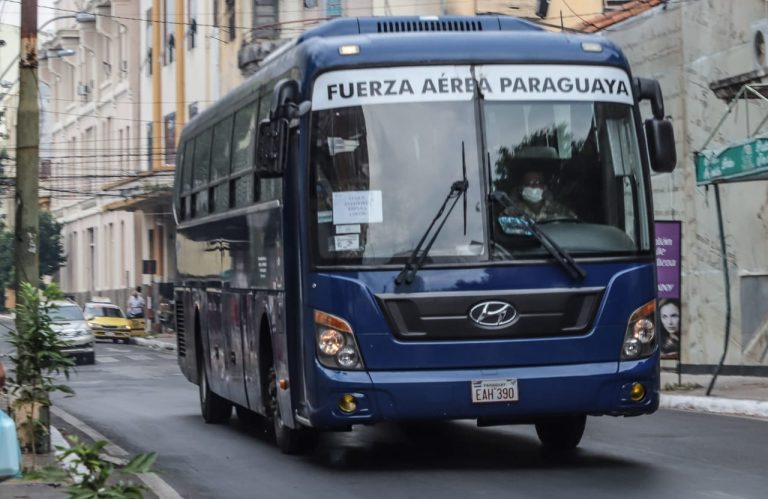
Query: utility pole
[181, 47]
[155, 154]
[26, 241]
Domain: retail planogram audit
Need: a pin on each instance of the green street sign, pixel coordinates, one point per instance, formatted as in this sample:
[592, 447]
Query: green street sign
[745, 161]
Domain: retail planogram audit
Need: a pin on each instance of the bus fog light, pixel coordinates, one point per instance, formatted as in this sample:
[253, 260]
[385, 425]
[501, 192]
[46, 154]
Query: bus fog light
[330, 341]
[637, 392]
[348, 403]
[347, 357]
[632, 348]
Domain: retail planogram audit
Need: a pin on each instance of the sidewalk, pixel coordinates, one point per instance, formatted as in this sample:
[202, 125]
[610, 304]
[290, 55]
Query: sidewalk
[734, 395]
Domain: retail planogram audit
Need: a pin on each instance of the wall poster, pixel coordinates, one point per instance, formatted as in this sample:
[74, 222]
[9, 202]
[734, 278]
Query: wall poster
[668, 274]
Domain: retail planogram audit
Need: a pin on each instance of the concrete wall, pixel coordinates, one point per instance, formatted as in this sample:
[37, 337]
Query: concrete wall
[688, 46]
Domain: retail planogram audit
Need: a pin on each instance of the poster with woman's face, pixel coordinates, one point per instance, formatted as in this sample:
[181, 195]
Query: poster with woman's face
[668, 271]
[669, 319]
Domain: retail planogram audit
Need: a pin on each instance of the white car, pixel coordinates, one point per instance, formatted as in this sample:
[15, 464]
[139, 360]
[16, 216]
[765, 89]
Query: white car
[68, 321]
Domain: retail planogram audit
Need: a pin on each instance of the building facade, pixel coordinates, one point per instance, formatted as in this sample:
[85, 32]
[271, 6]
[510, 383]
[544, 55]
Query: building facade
[694, 49]
[91, 103]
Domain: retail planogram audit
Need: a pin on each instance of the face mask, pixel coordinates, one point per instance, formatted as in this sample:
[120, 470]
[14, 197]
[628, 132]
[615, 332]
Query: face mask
[533, 194]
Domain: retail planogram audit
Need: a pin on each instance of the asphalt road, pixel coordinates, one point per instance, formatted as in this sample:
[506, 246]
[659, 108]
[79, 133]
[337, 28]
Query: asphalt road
[140, 401]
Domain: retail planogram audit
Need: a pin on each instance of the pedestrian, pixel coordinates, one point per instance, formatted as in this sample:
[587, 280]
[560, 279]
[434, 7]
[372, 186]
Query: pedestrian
[669, 315]
[136, 304]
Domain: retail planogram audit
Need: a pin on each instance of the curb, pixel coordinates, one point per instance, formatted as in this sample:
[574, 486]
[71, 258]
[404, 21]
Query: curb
[715, 405]
[58, 440]
[155, 344]
[117, 455]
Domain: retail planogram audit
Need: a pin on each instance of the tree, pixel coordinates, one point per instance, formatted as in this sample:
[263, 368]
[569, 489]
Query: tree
[51, 248]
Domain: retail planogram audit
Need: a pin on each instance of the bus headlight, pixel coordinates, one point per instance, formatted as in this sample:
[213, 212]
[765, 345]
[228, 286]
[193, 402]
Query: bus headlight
[330, 341]
[640, 338]
[336, 344]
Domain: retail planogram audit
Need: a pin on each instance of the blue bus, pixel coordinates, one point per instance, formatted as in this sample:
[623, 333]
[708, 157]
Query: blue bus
[413, 219]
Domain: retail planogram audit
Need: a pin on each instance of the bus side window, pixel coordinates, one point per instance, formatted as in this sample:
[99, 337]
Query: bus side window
[186, 179]
[202, 168]
[243, 137]
[220, 165]
[267, 188]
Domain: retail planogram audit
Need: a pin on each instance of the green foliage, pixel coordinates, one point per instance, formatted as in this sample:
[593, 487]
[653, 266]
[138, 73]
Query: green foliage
[6, 258]
[91, 474]
[38, 358]
[51, 249]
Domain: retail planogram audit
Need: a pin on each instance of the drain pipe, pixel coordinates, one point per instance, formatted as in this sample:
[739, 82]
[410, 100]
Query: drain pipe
[727, 283]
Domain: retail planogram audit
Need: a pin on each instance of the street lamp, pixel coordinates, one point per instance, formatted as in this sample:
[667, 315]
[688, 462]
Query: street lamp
[56, 53]
[80, 17]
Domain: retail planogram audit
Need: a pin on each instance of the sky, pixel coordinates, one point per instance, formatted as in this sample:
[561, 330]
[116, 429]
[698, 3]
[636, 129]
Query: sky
[11, 11]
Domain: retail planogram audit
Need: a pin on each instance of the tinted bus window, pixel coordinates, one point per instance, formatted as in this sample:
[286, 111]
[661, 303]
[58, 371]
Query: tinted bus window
[202, 158]
[244, 138]
[186, 169]
[222, 140]
[264, 108]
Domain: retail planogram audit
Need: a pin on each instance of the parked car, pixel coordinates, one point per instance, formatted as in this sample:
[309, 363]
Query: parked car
[10, 453]
[68, 321]
[107, 321]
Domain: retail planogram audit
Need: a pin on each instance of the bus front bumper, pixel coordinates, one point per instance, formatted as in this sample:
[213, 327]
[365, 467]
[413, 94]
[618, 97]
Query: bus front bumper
[595, 389]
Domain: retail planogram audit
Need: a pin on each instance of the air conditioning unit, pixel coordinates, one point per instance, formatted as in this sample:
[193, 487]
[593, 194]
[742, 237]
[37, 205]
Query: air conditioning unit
[760, 44]
[83, 89]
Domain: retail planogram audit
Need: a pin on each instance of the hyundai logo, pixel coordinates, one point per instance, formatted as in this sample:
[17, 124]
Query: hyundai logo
[493, 314]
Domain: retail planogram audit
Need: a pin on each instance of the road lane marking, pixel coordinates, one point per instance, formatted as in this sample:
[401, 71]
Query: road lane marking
[106, 360]
[156, 484]
[139, 357]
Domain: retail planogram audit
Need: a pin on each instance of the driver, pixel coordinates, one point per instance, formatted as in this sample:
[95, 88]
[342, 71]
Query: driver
[534, 200]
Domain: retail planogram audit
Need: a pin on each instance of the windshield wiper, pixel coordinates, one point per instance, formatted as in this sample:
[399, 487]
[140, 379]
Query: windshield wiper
[554, 249]
[415, 261]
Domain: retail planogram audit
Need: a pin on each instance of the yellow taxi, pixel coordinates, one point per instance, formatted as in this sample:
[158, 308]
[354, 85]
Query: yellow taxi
[107, 321]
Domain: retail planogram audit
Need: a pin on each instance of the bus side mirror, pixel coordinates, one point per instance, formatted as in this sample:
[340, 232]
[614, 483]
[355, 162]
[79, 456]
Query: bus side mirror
[648, 89]
[286, 103]
[661, 145]
[658, 130]
[272, 147]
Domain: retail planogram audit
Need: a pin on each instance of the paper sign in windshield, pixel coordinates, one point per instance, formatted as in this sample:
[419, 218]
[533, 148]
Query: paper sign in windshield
[506, 82]
[347, 242]
[357, 207]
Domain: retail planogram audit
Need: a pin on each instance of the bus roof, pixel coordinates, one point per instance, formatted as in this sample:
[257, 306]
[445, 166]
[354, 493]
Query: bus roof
[392, 41]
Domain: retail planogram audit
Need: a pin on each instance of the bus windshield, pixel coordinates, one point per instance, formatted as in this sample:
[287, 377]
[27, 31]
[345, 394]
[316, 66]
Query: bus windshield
[380, 172]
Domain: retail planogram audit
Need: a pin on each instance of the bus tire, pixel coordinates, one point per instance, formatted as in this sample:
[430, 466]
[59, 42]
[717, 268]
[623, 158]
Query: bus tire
[289, 440]
[214, 409]
[561, 433]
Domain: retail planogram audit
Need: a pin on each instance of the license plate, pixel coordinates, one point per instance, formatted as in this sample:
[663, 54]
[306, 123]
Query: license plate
[494, 390]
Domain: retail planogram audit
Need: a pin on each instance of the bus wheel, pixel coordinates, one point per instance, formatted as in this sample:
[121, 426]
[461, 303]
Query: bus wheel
[561, 433]
[214, 408]
[289, 440]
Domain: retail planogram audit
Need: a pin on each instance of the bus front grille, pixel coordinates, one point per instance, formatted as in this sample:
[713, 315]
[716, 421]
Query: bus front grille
[534, 313]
